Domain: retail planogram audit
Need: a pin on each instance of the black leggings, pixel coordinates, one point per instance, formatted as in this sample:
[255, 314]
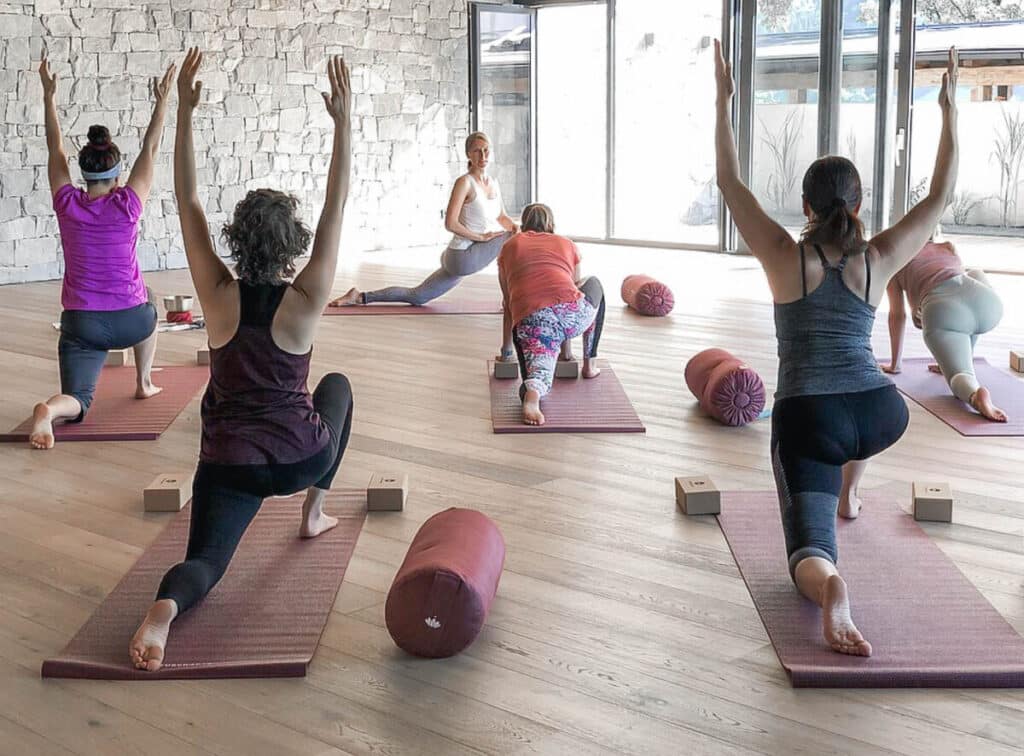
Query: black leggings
[226, 498]
[85, 338]
[812, 438]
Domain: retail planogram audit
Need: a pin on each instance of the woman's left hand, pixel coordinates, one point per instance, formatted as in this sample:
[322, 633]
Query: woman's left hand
[723, 75]
[162, 86]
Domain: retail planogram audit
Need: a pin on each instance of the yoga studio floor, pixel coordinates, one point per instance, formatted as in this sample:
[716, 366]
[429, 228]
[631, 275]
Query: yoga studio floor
[620, 626]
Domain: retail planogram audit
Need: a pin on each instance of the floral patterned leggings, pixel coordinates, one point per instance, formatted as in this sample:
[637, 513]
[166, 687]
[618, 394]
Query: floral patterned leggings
[538, 337]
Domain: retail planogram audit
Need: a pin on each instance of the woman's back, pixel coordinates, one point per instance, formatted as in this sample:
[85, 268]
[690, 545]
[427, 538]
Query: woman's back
[539, 270]
[98, 235]
[935, 263]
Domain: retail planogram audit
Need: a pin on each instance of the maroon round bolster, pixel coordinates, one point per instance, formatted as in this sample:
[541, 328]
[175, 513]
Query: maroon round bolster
[727, 389]
[647, 296]
[442, 592]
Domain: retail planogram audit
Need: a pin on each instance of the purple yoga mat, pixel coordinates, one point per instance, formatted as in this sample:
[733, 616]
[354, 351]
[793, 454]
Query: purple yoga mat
[930, 391]
[264, 618]
[929, 627]
[575, 405]
[442, 307]
[116, 415]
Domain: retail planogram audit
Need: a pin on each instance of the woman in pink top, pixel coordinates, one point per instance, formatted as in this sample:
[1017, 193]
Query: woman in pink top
[547, 305]
[104, 298]
[952, 307]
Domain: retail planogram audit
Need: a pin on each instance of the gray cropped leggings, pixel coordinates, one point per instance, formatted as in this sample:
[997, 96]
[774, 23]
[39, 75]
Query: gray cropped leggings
[953, 314]
[455, 264]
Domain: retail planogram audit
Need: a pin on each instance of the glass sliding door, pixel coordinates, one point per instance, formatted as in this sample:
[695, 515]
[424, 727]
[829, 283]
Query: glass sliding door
[784, 137]
[572, 106]
[664, 165]
[502, 94]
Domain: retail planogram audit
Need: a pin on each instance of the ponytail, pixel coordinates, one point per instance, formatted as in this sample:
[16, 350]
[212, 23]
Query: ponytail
[832, 191]
[836, 226]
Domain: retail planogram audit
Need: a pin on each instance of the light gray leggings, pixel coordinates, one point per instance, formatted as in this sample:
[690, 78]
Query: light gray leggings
[952, 316]
[455, 264]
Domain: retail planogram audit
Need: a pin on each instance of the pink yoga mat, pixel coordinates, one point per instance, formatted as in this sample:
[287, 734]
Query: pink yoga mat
[441, 307]
[264, 618]
[927, 624]
[575, 405]
[930, 391]
[116, 415]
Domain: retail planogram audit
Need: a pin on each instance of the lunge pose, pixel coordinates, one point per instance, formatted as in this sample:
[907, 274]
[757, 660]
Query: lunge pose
[834, 408]
[263, 433]
[547, 304]
[952, 307]
[106, 305]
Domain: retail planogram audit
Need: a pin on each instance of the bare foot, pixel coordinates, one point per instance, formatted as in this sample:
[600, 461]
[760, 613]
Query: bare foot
[41, 436]
[590, 369]
[981, 400]
[531, 408]
[351, 297]
[934, 367]
[840, 632]
[146, 390]
[849, 506]
[147, 646]
[315, 525]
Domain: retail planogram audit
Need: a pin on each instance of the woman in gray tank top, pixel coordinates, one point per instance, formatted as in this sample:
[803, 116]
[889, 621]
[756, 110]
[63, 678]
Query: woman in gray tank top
[834, 408]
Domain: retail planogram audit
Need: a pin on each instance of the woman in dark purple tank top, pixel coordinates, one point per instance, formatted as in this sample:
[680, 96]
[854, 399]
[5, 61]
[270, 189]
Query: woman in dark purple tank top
[264, 434]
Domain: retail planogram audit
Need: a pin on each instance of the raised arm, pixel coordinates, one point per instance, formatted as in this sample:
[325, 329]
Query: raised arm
[451, 217]
[768, 241]
[208, 271]
[141, 178]
[898, 245]
[897, 326]
[57, 163]
[316, 279]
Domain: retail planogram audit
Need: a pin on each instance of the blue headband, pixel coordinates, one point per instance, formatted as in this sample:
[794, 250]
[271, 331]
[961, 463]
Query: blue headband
[103, 175]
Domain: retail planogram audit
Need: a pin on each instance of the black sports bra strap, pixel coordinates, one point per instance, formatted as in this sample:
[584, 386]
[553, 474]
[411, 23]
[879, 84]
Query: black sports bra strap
[867, 285]
[803, 269]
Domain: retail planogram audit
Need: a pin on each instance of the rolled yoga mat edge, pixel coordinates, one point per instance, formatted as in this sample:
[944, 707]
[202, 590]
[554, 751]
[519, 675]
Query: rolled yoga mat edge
[929, 626]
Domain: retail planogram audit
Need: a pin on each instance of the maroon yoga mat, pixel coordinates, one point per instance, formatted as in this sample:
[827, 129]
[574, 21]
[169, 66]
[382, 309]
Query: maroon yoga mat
[929, 627]
[264, 618]
[440, 307]
[575, 405]
[116, 415]
[930, 391]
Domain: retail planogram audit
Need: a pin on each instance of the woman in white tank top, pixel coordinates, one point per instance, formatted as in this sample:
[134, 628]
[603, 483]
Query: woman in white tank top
[477, 219]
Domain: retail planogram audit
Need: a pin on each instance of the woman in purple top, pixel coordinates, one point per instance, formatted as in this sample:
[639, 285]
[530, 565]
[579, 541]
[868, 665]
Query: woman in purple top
[104, 299]
[263, 433]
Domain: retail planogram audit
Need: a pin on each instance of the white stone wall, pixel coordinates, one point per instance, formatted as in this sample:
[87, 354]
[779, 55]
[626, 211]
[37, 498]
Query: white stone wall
[262, 121]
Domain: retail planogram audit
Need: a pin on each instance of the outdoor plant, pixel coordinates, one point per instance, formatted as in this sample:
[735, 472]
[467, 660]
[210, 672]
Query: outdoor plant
[1009, 153]
[782, 145]
[963, 205]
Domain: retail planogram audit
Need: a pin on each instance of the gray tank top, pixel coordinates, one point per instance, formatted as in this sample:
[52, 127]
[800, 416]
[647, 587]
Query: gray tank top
[825, 337]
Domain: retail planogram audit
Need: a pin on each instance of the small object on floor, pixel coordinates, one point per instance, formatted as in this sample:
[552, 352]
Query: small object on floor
[203, 356]
[169, 492]
[178, 303]
[441, 594]
[567, 369]
[184, 316]
[647, 296]
[120, 358]
[1017, 360]
[727, 389]
[506, 370]
[386, 492]
[698, 495]
[933, 502]
[255, 623]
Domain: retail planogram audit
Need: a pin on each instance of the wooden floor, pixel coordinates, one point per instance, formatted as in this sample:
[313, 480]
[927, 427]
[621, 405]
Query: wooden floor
[619, 626]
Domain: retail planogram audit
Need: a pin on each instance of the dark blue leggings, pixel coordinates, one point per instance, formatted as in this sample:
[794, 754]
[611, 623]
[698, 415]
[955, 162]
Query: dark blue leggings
[812, 438]
[85, 338]
[226, 498]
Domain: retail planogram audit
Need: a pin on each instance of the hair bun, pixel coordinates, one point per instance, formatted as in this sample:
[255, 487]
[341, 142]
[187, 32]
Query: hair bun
[99, 136]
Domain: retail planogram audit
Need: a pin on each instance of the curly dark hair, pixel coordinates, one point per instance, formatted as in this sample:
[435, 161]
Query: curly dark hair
[265, 236]
[99, 154]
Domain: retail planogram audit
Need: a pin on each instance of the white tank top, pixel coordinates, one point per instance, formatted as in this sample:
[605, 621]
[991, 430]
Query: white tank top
[480, 215]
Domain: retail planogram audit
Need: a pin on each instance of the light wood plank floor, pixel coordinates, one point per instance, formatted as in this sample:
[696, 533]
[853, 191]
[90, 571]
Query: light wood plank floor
[620, 626]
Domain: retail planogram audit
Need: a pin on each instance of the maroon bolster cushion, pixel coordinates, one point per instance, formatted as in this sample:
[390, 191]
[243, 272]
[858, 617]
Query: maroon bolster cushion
[728, 390]
[440, 597]
[647, 296]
